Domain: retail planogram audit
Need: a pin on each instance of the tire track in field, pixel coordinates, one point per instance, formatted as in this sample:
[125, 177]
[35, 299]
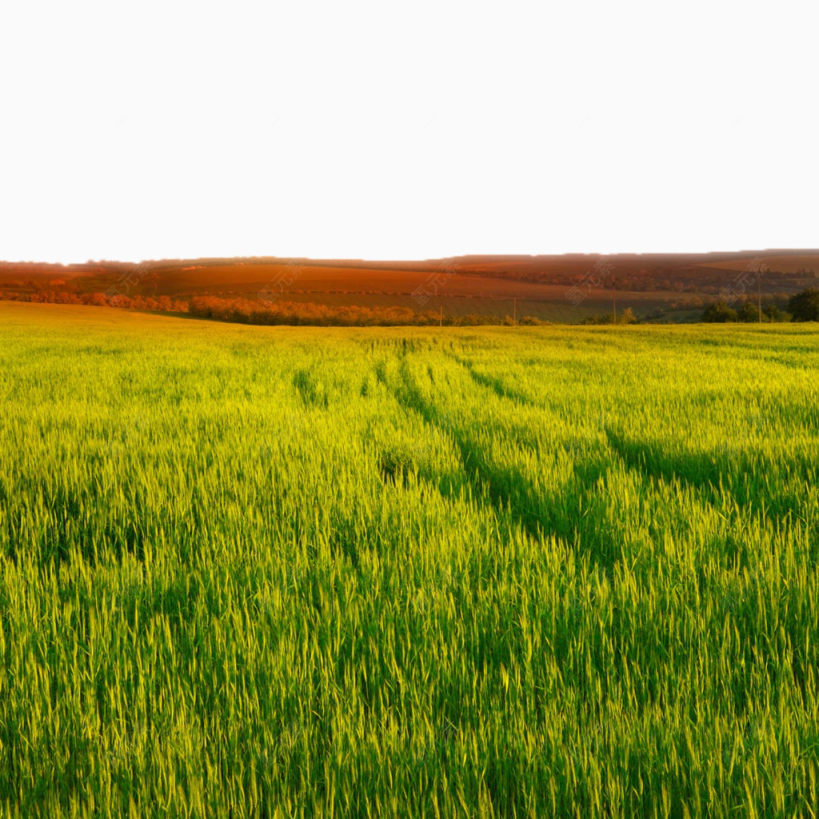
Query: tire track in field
[485, 481]
[501, 388]
[497, 385]
[699, 472]
[524, 435]
[702, 474]
[394, 470]
[566, 515]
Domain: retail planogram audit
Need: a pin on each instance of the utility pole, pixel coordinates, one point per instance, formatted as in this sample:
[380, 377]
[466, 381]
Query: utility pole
[759, 291]
[441, 319]
[515, 312]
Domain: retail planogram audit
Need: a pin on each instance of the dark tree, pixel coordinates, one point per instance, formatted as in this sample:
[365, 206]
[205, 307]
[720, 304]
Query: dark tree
[748, 312]
[719, 312]
[804, 306]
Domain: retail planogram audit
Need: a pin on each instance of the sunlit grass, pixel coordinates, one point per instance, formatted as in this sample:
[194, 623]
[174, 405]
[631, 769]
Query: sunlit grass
[560, 571]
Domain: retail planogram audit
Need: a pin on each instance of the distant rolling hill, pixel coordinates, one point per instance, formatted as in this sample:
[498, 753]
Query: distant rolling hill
[556, 287]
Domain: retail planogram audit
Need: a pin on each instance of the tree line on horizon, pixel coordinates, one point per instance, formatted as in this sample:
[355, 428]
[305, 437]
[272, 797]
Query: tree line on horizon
[249, 311]
[163, 304]
[802, 306]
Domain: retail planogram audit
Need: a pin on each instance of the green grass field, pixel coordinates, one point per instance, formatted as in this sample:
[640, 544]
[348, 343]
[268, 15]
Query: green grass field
[426, 572]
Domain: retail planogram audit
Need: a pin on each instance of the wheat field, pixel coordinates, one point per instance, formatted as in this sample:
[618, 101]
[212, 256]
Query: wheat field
[427, 572]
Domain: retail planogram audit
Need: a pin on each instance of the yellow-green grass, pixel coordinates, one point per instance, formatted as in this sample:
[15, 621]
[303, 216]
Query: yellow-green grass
[503, 571]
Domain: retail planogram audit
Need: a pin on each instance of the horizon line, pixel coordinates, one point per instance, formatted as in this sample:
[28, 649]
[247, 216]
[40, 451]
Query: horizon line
[499, 256]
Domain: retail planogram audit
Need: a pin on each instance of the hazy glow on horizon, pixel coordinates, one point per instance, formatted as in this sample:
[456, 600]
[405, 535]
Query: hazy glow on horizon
[416, 130]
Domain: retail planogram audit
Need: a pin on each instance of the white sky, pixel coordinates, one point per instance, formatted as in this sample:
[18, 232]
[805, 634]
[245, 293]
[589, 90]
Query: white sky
[405, 130]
